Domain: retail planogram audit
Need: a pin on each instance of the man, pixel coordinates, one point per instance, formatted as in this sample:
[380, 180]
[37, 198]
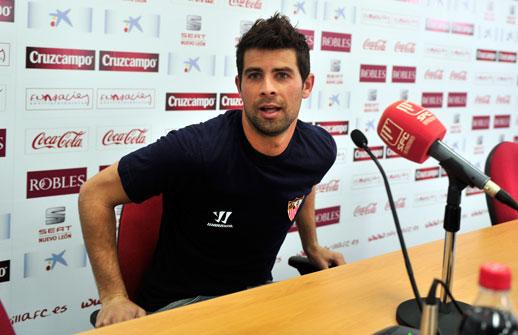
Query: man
[231, 186]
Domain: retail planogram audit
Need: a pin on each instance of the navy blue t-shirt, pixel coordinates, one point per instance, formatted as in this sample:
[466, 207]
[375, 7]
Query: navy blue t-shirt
[227, 207]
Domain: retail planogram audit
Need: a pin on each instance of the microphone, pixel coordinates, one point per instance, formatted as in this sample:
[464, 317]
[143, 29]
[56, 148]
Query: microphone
[361, 142]
[415, 133]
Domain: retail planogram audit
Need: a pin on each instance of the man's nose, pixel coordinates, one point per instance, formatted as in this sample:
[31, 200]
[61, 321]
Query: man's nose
[268, 86]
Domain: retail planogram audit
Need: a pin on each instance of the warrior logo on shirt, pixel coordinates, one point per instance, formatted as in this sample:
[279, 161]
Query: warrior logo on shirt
[293, 206]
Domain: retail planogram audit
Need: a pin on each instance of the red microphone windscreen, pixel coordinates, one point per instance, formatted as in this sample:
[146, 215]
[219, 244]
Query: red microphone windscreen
[410, 130]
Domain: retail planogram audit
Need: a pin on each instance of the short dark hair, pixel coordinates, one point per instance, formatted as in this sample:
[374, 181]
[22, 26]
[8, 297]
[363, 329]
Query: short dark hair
[272, 34]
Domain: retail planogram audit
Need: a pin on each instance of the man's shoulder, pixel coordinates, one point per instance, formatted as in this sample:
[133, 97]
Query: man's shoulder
[317, 139]
[208, 130]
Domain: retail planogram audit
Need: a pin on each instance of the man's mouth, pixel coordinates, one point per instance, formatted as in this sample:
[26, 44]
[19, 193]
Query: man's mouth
[270, 109]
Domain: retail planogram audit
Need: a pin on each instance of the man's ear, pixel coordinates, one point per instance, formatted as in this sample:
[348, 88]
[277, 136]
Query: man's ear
[237, 80]
[308, 85]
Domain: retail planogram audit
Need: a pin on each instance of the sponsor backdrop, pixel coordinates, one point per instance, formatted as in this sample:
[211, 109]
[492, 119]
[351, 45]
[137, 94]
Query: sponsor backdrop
[85, 82]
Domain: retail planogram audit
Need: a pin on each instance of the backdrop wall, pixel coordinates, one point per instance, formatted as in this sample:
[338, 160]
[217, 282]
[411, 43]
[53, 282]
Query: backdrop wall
[84, 82]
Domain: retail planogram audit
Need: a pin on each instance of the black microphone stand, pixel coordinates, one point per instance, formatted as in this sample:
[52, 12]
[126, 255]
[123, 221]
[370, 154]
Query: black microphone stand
[449, 318]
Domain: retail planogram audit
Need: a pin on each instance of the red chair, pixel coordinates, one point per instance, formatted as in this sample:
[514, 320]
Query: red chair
[5, 324]
[137, 236]
[502, 168]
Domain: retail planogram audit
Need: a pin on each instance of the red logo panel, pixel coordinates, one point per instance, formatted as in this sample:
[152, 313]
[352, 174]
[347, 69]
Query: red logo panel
[54, 182]
[373, 73]
[480, 122]
[128, 61]
[432, 99]
[190, 101]
[59, 59]
[336, 42]
[230, 101]
[456, 99]
[3, 138]
[6, 10]
[403, 74]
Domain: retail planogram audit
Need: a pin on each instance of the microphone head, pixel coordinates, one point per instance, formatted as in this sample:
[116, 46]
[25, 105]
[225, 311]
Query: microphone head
[359, 138]
[410, 130]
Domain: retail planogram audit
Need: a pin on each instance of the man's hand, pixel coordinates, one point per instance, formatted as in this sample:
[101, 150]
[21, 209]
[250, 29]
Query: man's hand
[117, 309]
[323, 258]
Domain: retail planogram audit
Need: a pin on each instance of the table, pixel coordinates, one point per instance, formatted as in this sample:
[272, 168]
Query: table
[357, 298]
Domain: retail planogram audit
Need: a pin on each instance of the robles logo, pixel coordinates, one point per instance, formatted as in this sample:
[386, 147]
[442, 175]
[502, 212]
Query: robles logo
[332, 41]
[59, 59]
[55, 140]
[6, 10]
[480, 122]
[128, 61]
[502, 121]
[432, 99]
[457, 99]
[373, 73]
[310, 37]
[403, 74]
[54, 182]
[3, 135]
[190, 101]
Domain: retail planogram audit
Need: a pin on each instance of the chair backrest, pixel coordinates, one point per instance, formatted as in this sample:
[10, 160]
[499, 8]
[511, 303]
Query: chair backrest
[137, 237]
[5, 324]
[502, 168]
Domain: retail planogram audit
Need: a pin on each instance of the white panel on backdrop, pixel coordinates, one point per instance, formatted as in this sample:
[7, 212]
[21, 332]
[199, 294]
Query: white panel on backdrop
[131, 23]
[49, 15]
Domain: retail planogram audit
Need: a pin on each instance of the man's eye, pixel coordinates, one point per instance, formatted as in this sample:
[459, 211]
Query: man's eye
[254, 75]
[282, 75]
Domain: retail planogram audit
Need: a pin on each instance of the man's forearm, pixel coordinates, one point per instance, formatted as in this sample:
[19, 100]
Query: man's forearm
[306, 223]
[98, 225]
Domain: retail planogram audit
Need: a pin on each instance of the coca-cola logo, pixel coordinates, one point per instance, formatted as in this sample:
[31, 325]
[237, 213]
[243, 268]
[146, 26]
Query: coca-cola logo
[335, 128]
[373, 73]
[54, 140]
[364, 210]
[403, 74]
[230, 101]
[375, 45]
[436, 74]
[6, 10]
[332, 41]
[427, 173]
[457, 99]
[480, 122]
[58, 98]
[362, 155]
[503, 99]
[125, 98]
[190, 101]
[54, 182]
[483, 99]
[310, 37]
[3, 135]
[405, 47]
[502, 121]
[59, 59]
[128, 61]
[251, 4]
[432, 99]
[459, 75]
[330, 186]
[135, 136]
[400, 203]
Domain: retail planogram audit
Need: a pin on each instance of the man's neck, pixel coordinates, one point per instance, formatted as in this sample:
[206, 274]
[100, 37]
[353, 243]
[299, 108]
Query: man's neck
[268, 145]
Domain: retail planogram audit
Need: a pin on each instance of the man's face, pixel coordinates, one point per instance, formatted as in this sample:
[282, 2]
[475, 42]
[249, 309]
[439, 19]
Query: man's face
[272, 89]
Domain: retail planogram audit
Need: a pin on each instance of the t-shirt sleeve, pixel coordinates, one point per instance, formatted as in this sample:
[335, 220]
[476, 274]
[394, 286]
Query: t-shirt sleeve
[151, 170]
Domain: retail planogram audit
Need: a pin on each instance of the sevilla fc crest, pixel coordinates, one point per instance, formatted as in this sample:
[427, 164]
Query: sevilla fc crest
[293, 207]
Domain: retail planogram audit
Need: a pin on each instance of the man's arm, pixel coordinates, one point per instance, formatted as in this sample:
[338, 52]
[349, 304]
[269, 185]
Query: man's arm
[97, 199]
[319, 256]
